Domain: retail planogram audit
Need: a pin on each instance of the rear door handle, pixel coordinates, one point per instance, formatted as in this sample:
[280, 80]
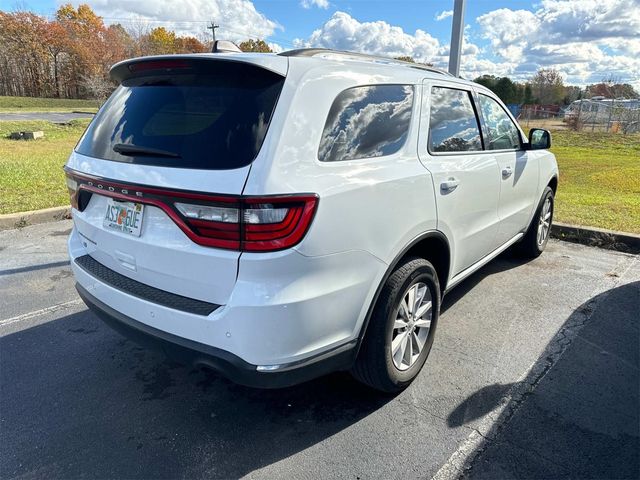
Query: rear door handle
[450, 184]
[507, 172]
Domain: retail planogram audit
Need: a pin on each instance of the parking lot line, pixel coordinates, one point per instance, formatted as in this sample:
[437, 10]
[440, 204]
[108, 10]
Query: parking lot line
[485, 430]
[42, 311]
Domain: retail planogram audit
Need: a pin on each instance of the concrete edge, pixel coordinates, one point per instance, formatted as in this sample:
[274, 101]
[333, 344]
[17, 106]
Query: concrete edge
[23, 219]
[597, 237]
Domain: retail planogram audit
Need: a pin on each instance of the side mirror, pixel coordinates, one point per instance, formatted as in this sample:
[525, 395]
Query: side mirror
[539, 139]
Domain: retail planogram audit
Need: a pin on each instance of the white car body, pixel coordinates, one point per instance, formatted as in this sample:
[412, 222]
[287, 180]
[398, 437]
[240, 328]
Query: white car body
[284, 310]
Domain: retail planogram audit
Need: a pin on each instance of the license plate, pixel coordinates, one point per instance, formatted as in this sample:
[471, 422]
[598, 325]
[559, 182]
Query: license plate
[125, 217]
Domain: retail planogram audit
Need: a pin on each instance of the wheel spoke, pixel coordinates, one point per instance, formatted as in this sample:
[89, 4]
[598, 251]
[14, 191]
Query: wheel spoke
[404, 309]
[422, 310]
[411, 298]
[403, 349]
[408, 357]
[422, 323]
[397, 343]
[421, 291]
[399, 323]
[419, 341]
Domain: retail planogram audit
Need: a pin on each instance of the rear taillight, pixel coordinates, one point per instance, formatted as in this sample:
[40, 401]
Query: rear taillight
[274, 223]
[72, 186]
[243, 223]
[253, 224]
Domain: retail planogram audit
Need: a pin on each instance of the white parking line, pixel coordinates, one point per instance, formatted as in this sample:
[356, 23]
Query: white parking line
[42, 311]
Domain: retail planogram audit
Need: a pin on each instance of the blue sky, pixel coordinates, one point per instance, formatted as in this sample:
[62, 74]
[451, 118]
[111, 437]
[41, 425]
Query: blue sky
[586, 40]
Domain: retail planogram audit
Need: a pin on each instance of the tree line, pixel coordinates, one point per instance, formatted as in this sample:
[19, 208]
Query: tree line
[69, 56]
[547, 87]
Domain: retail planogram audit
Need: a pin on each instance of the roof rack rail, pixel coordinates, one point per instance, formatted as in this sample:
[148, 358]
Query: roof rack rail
[312, 52]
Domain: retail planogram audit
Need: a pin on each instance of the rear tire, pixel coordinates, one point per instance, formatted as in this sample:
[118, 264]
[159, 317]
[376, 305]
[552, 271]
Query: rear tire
[402, 327]
[537, 236]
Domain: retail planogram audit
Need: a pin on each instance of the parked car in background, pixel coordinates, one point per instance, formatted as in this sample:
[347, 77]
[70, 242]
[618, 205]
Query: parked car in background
[279, 217]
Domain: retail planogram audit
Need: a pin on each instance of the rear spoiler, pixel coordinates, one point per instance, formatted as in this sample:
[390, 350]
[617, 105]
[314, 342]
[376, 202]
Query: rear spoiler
[188, 63]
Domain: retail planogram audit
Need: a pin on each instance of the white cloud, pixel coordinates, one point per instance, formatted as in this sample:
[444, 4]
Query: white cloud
[276, 47]
[586, 40]
[444, 14]
[343, 32]
[318, 3]
[238, 19]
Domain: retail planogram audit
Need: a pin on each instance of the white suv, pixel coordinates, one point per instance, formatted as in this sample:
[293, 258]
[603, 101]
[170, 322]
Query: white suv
[278, 217]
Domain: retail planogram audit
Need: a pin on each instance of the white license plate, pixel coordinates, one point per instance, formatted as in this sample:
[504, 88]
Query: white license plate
[125, 217]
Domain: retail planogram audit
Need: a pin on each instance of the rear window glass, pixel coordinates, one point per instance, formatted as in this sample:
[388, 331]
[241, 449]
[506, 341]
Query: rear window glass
[369, 121]
[214, 118]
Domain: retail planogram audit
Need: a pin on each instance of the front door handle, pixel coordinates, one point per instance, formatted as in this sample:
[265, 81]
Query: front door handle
[449, 185]
[507, 172]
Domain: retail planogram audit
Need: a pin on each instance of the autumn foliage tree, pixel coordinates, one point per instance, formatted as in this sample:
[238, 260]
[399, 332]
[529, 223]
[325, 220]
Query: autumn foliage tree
[255, 46]
[70, 55]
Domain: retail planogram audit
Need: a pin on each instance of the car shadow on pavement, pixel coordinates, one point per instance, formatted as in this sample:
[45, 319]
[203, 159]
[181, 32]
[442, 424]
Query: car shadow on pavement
[505, 261]
[78, 400]
[577, 413]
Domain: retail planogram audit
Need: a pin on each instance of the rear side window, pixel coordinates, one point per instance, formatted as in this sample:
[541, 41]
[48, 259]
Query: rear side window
[502, 132]
[368, 121]
[453, 125]
[211, 117]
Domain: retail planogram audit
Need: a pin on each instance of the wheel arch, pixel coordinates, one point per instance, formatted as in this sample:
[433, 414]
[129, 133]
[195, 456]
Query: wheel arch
[553, 183]
[432, 246]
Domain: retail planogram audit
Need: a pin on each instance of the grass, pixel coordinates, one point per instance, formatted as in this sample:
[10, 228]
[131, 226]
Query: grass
[32, 104]
[31, 174]
[599, 179]
[599, 173]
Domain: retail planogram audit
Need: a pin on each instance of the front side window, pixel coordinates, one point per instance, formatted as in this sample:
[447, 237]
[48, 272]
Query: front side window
[502, 133]
[453, 125]
[368, 121]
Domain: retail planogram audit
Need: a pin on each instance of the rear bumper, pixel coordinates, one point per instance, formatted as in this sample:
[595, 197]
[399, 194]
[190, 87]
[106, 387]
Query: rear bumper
[226, 363]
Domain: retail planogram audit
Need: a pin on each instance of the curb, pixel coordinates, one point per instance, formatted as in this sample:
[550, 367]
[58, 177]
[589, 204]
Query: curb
[23, 219]
[597, 237]
[590, 236]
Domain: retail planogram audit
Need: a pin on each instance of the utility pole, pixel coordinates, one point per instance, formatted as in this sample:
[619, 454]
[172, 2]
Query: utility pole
[457, 30]
[213, 27]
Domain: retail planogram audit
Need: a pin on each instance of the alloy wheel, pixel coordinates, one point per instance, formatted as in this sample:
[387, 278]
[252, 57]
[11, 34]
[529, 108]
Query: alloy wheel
[411, 326]
[544, 221]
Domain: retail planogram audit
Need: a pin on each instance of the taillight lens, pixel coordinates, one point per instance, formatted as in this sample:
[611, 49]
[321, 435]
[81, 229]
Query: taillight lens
[207, 212]
[253, 224]
[276, 223]
[72, 186]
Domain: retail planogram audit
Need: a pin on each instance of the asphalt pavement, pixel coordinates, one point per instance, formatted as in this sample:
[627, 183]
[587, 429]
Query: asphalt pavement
[55, 117]
[534, 374]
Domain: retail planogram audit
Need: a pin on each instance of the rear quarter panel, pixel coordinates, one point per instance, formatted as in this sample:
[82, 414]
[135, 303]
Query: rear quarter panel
[377, 205]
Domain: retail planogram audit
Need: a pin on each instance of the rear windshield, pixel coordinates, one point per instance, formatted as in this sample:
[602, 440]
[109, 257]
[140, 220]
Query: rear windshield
[214, 118]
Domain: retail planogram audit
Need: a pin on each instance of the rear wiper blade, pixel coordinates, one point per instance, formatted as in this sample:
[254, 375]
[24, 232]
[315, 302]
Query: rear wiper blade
[128, 149]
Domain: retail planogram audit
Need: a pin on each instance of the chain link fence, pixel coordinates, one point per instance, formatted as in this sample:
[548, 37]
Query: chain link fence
[599, 115]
